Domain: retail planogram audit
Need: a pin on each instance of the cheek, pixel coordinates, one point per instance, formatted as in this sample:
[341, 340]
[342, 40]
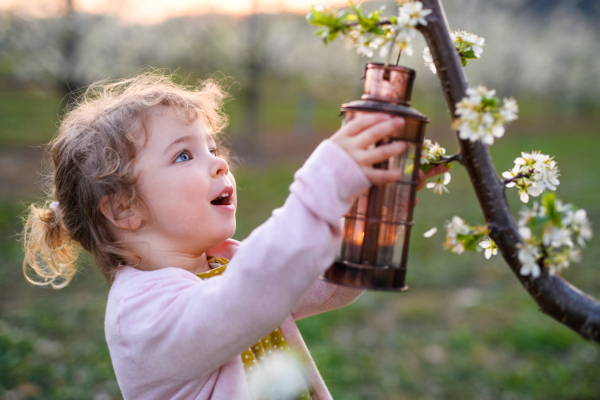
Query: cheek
[171, 198]
[233, 183]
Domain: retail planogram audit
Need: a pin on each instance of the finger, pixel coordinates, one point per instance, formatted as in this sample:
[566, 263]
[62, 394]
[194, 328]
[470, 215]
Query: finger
[379, 176]
[379, 131]
[359, 124]
[381, 153]
[421, 180]
[436, 171]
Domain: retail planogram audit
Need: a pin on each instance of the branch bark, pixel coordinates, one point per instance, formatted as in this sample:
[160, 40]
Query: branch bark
[554, 295]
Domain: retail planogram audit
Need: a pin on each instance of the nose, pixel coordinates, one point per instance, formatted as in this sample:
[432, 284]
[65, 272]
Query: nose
[219, 167]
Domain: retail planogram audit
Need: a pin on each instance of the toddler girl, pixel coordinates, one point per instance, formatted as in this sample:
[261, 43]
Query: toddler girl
[138, 180]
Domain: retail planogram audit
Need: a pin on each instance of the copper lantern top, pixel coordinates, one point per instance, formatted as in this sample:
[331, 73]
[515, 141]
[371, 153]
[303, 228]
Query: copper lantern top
[388, 89]
[391, 84]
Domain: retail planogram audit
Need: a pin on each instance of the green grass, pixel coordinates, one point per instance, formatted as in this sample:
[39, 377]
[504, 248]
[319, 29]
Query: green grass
[28, 118]
[464, 330]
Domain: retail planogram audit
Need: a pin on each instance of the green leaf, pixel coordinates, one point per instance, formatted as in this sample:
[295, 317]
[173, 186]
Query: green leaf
[490, 101]
[538, 221]
[469, 54]
[378, 30]
[464, 61]
[357, 8]
[549, 201]
[426, 167]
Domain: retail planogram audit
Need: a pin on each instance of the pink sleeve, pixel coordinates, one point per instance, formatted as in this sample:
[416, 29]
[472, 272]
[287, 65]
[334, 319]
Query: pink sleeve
[324, 296]
[191, 327]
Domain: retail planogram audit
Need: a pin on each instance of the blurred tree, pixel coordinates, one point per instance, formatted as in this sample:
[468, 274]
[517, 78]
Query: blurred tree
[70, 82]
[254, 66]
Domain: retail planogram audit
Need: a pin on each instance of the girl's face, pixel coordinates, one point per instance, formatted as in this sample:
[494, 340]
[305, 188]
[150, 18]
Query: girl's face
[189, 192]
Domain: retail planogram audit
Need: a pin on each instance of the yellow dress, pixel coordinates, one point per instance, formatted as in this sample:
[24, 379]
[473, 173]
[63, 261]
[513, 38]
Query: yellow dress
[258, 355]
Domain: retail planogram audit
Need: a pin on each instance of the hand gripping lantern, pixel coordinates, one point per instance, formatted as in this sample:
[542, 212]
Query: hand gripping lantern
[376, 232]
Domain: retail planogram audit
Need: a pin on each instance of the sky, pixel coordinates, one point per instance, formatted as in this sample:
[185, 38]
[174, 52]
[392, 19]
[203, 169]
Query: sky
[151, 11]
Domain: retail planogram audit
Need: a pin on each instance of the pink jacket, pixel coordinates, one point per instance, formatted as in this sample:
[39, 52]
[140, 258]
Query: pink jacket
[174, 336]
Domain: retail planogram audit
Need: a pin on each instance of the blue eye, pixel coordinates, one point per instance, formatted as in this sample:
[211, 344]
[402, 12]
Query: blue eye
[214, 151]
[183, 156]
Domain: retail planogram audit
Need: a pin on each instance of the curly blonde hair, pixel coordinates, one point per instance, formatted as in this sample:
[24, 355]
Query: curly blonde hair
[93, 155]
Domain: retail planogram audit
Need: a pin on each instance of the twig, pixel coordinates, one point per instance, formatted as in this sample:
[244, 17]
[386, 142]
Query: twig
[517, 176]
[399, 53]
[380, 23]
[452, 158]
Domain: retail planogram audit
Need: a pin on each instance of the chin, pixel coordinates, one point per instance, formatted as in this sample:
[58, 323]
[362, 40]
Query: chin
[223, 234]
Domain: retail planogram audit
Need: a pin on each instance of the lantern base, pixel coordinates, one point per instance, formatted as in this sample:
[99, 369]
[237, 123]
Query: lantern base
[366, 276]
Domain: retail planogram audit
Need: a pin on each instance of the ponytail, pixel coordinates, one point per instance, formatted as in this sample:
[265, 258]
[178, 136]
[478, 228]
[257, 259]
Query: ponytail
[50, 255]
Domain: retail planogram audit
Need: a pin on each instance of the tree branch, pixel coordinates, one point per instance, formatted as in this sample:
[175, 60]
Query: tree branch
[555, 296]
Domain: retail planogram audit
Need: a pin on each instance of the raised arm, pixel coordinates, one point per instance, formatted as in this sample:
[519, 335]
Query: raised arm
[196, 326]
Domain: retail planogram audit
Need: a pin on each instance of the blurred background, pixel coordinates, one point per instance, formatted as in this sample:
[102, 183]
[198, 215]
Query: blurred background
[465, 329]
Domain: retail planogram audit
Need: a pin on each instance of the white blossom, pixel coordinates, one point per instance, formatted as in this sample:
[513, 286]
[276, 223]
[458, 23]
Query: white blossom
[412, 14]
[510, 174]
[557, 237]
[439, 186]
[479, 118]
[464, 42]
[428, 58]
[574, 254]
[526, 214]
[431, 152]
[366, 48]
[525, 233]
[455, 227]
[430, 232]
[528, 256]
[559, 262]
[281, 378]
[399, 36]
[510, 110]
[528, 189]
[543, 168]
[470, 41]
[581, 226]
[489, 246]
[539, 172]
[458, 248]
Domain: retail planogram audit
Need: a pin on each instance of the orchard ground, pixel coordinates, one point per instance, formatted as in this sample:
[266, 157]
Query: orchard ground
[465, 329]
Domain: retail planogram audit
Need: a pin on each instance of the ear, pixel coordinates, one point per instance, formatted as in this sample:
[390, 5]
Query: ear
[120, 213]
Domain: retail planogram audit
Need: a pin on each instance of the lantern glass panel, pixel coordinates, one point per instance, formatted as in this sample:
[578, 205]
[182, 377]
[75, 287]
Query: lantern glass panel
[353, 236]
[385, 248]
[402, 194]
[399, 249]
[408, 168]
[389, 200]
[360, 205]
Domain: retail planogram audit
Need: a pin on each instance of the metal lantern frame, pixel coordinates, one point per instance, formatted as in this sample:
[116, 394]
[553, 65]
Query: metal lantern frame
[376, 234]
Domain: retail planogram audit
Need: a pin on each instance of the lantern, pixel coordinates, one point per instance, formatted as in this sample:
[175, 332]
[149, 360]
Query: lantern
[376, 231]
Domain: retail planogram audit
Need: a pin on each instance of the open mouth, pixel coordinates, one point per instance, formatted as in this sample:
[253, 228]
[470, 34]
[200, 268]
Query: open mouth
[224, 199]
